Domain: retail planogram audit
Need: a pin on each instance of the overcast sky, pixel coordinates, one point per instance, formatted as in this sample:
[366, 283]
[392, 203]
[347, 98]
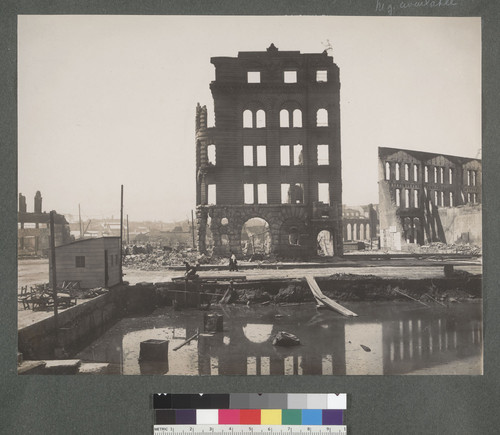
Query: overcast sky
[110, 100]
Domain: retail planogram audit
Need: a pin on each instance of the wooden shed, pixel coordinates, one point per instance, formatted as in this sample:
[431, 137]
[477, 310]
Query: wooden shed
[93, 262]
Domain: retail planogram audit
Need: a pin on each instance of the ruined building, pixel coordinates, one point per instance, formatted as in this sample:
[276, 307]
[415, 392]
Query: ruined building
[427, 197]
[34, 230]
[273, 154]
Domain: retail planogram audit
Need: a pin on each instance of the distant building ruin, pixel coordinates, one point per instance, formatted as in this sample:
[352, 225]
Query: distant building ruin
[273, 155]
[33, 228]
[426, 197]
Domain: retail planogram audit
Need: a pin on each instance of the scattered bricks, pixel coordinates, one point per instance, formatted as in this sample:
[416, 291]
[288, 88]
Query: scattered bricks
[154, 350]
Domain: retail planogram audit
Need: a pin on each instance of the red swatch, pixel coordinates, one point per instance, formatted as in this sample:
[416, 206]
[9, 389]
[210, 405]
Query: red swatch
[250, 416]
[229, 416]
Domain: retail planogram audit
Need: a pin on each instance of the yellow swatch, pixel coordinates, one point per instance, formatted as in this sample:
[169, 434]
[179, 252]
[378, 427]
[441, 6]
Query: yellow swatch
[270, 416]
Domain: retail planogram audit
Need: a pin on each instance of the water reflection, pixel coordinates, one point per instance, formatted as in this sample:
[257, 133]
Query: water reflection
[396, 338]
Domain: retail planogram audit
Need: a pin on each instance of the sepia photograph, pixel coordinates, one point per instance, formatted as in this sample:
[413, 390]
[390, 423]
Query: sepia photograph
[249, 195]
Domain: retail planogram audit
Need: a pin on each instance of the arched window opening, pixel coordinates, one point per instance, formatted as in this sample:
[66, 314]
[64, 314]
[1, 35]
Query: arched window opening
[415, 172]
[451, 199]
[261, 118]
[211, 155]
[297, 118]
[284, 118]
[293, 236]
[415, 198]
[398, 197]
[407, 171]
[398, 174]
[426, 174]
[325, 243]
[247, 119]
[361, 232]
[387, 171]
[255, 237]
[450, 175]
[322, 118]
[355, 232]
[407, 198]
[349, 232]
[367, 231]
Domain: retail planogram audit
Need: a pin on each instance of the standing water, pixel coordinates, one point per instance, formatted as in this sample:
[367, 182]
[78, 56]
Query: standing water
[387, 338]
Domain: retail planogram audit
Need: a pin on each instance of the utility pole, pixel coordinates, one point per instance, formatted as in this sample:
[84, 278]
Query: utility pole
[192, 228]
[121, 236]
[80, 220]
[54, 275]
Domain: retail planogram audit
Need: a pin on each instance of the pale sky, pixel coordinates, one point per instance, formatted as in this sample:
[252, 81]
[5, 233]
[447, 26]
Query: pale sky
[110, 100]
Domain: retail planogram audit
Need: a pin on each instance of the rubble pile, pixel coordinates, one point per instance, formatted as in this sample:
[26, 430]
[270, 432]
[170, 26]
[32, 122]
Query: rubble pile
[159, 259]
[443, 248]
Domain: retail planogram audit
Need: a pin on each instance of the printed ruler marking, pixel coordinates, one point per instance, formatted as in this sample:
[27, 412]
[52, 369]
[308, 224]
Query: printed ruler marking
[248, 430]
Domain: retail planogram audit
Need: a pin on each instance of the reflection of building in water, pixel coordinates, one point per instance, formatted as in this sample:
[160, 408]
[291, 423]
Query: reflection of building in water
[247, 349]
[421, 342]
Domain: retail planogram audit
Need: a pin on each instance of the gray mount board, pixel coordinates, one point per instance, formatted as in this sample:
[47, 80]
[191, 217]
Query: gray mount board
[384, 404]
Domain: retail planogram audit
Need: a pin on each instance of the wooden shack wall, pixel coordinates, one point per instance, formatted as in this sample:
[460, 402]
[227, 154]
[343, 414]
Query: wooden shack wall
[113, 247]
[92, 275]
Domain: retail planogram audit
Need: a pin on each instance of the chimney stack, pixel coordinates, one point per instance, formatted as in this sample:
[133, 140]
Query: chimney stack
[38, 202]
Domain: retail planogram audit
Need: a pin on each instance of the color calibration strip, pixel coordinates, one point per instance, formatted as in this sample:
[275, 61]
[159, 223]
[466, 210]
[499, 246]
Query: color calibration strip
[250, 409]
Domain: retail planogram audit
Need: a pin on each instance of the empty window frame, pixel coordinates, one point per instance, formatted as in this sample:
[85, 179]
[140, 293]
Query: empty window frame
[436, 197]
[322, 75]
[290, 76]
[441, 199]
[474, 198]
[253, 76]
[285, 190]
[260, 118]
[474, 178]
[450, 175]
[285, 155]
[407, 198]
[247, 119]
[261, 155]
[469, 197]
[426, 174]
[284, 118]
[80, 261]
[415, 198]
[324, 193]
[398, 197]
[262, 193]
[435, 174]
[247, 155]
[407, 172]
[248, 193]
[212, 194]
[415, 172]
[387, 171]
[322, 118]
[441, 175]
[211, 154]
[398, 171]
[451, 199]
[323, 157]
[298, 159]
[297, 118]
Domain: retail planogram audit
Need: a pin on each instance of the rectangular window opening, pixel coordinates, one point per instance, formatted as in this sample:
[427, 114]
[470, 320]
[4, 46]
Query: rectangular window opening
[262, 193]
[285, 155]
[298, 159]
[80, 261]
[261, 155]
[290, 76]
[321, 76]
[323, 158]
[247, 155]
[253, 76]
[248, 193]
[324, 193]
[285, 197]
[212, 194]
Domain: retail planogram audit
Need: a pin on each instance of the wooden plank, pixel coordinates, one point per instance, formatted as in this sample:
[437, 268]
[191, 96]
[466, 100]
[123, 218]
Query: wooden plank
[318, 294]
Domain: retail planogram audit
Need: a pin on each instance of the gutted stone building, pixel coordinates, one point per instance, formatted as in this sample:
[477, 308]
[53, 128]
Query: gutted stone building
[33, 231]
[273, 154]
[427, 197]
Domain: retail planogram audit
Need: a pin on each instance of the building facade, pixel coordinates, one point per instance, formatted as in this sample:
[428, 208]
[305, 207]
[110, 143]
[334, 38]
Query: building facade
[273, 154]
[33, 233]
[427, 197]
[360, 223]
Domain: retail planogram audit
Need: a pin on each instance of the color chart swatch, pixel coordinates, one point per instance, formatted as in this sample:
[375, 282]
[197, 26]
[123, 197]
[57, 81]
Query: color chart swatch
[249, 409]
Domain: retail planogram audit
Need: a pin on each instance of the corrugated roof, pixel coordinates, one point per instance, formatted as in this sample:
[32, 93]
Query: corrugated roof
[91, 239]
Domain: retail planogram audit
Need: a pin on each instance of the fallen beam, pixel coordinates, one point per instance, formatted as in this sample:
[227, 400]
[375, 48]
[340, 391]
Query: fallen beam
[188, 340]
[322, 299]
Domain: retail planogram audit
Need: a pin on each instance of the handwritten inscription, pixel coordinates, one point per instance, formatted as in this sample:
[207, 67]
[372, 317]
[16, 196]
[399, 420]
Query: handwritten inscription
[391, 7]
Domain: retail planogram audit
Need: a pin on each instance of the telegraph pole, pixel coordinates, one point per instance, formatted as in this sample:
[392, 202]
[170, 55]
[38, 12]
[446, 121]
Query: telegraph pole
[54, 275]
[121, 236]
[128, 233]
[192, 228]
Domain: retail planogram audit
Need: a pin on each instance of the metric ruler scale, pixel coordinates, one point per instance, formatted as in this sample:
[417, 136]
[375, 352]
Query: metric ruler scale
[248, 430]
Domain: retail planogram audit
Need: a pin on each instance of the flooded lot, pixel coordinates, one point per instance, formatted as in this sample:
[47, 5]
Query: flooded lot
[386, 338]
